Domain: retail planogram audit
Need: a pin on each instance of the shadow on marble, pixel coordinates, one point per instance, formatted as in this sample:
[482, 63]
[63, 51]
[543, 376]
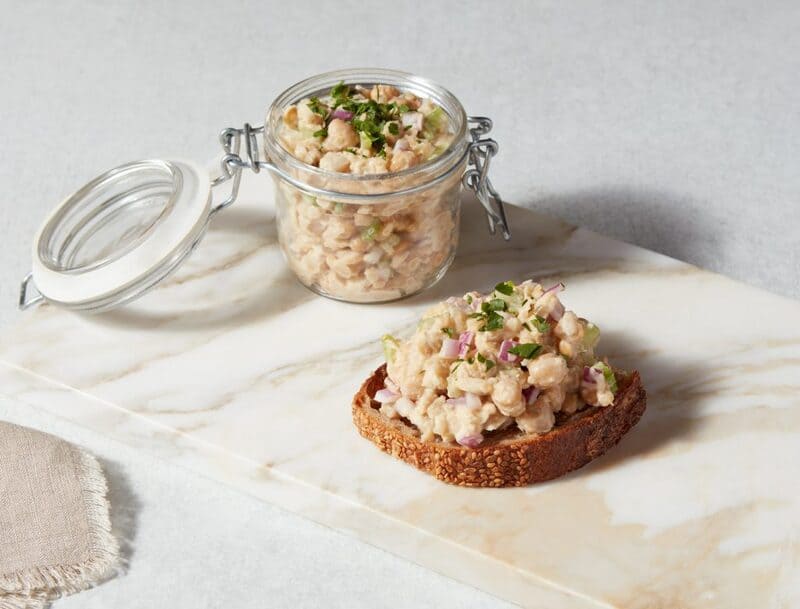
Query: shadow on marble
[670, 415]
[250, 232]
[125, 506]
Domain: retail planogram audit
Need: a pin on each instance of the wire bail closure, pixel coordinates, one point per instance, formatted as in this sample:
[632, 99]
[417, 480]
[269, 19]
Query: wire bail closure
[232, 162]
[476, 178]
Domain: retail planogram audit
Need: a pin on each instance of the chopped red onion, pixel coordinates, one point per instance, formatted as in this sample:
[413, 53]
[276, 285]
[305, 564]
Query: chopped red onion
[472, 400]
[476, 301]
[412, 119]
[450, 348]
[386, 396]
[470, 441]
[464, 343]
[591, 375]
[559, 287]
[459, 303]
[558, 311]
[504, 355]
[342, 114]
[530, 394]
[391, 385]
[401, 144]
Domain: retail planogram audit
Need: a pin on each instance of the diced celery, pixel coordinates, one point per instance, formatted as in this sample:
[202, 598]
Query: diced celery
[506, 291]
[435, 121]
[369, 233]
[608, 374]
[591, 335]
[390, 346]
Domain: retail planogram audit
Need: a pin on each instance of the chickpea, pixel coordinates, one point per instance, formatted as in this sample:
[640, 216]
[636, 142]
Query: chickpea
[338, 229]
[403, 159]
[547, 370]
[569, 327]
[290, 117]
[308, 153]
[507, 393]
[368, 165]
[341, 135]
[383, 93]
[536, 420]
[306, 118]
[335, 161]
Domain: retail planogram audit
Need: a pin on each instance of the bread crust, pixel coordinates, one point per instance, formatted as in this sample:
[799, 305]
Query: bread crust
[509, 458]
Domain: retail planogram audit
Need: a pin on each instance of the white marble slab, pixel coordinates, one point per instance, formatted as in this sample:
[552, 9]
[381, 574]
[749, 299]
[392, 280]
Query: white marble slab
[234, 369]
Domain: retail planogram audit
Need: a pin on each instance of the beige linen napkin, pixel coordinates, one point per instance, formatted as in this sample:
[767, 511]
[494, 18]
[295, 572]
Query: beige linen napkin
[55, 533]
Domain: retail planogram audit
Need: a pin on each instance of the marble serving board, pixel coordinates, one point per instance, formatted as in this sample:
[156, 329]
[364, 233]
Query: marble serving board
[233, 369]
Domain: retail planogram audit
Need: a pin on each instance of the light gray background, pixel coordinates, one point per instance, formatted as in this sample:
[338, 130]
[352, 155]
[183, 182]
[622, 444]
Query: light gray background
[674, 125]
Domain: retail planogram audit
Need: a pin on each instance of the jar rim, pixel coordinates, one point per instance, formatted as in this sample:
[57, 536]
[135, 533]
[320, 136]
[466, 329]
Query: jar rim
[353, 76]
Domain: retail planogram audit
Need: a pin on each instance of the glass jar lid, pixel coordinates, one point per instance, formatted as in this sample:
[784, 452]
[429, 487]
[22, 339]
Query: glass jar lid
[120, 234]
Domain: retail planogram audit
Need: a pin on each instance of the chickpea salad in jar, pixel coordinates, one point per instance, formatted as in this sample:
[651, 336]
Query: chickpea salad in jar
[364, 130]
[371, 140]
[486, 362]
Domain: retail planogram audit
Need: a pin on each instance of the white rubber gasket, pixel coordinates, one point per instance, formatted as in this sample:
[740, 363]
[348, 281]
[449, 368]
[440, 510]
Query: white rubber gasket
[177, 230]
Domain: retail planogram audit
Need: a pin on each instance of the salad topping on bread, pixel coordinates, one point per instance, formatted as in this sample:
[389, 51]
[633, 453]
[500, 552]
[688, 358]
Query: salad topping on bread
[514, 357]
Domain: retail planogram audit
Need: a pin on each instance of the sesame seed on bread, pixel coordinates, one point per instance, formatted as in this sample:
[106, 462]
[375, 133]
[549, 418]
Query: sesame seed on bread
[508, 457]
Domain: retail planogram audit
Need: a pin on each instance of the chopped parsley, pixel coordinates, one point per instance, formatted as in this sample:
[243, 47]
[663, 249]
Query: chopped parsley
[340, 93]
[526, 350]
[540, 323]
[370, 128]
[495, 304]
[486, 362]
[468, 298]
[507, 288]
[317, 107]
[369, 117]
[448, 331]
[489, 313]
[321, 132]
[494, 321]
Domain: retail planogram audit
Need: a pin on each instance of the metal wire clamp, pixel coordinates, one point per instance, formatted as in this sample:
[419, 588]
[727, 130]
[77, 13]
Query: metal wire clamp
[476, 178]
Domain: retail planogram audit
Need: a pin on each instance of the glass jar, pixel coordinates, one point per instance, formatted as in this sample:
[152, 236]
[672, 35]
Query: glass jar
[359, 238]
[374, 237]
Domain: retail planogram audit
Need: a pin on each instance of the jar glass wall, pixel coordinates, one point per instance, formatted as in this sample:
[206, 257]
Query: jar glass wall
[373, 237]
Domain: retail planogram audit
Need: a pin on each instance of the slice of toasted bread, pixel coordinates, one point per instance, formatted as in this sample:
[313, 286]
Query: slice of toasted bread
[508, 457]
